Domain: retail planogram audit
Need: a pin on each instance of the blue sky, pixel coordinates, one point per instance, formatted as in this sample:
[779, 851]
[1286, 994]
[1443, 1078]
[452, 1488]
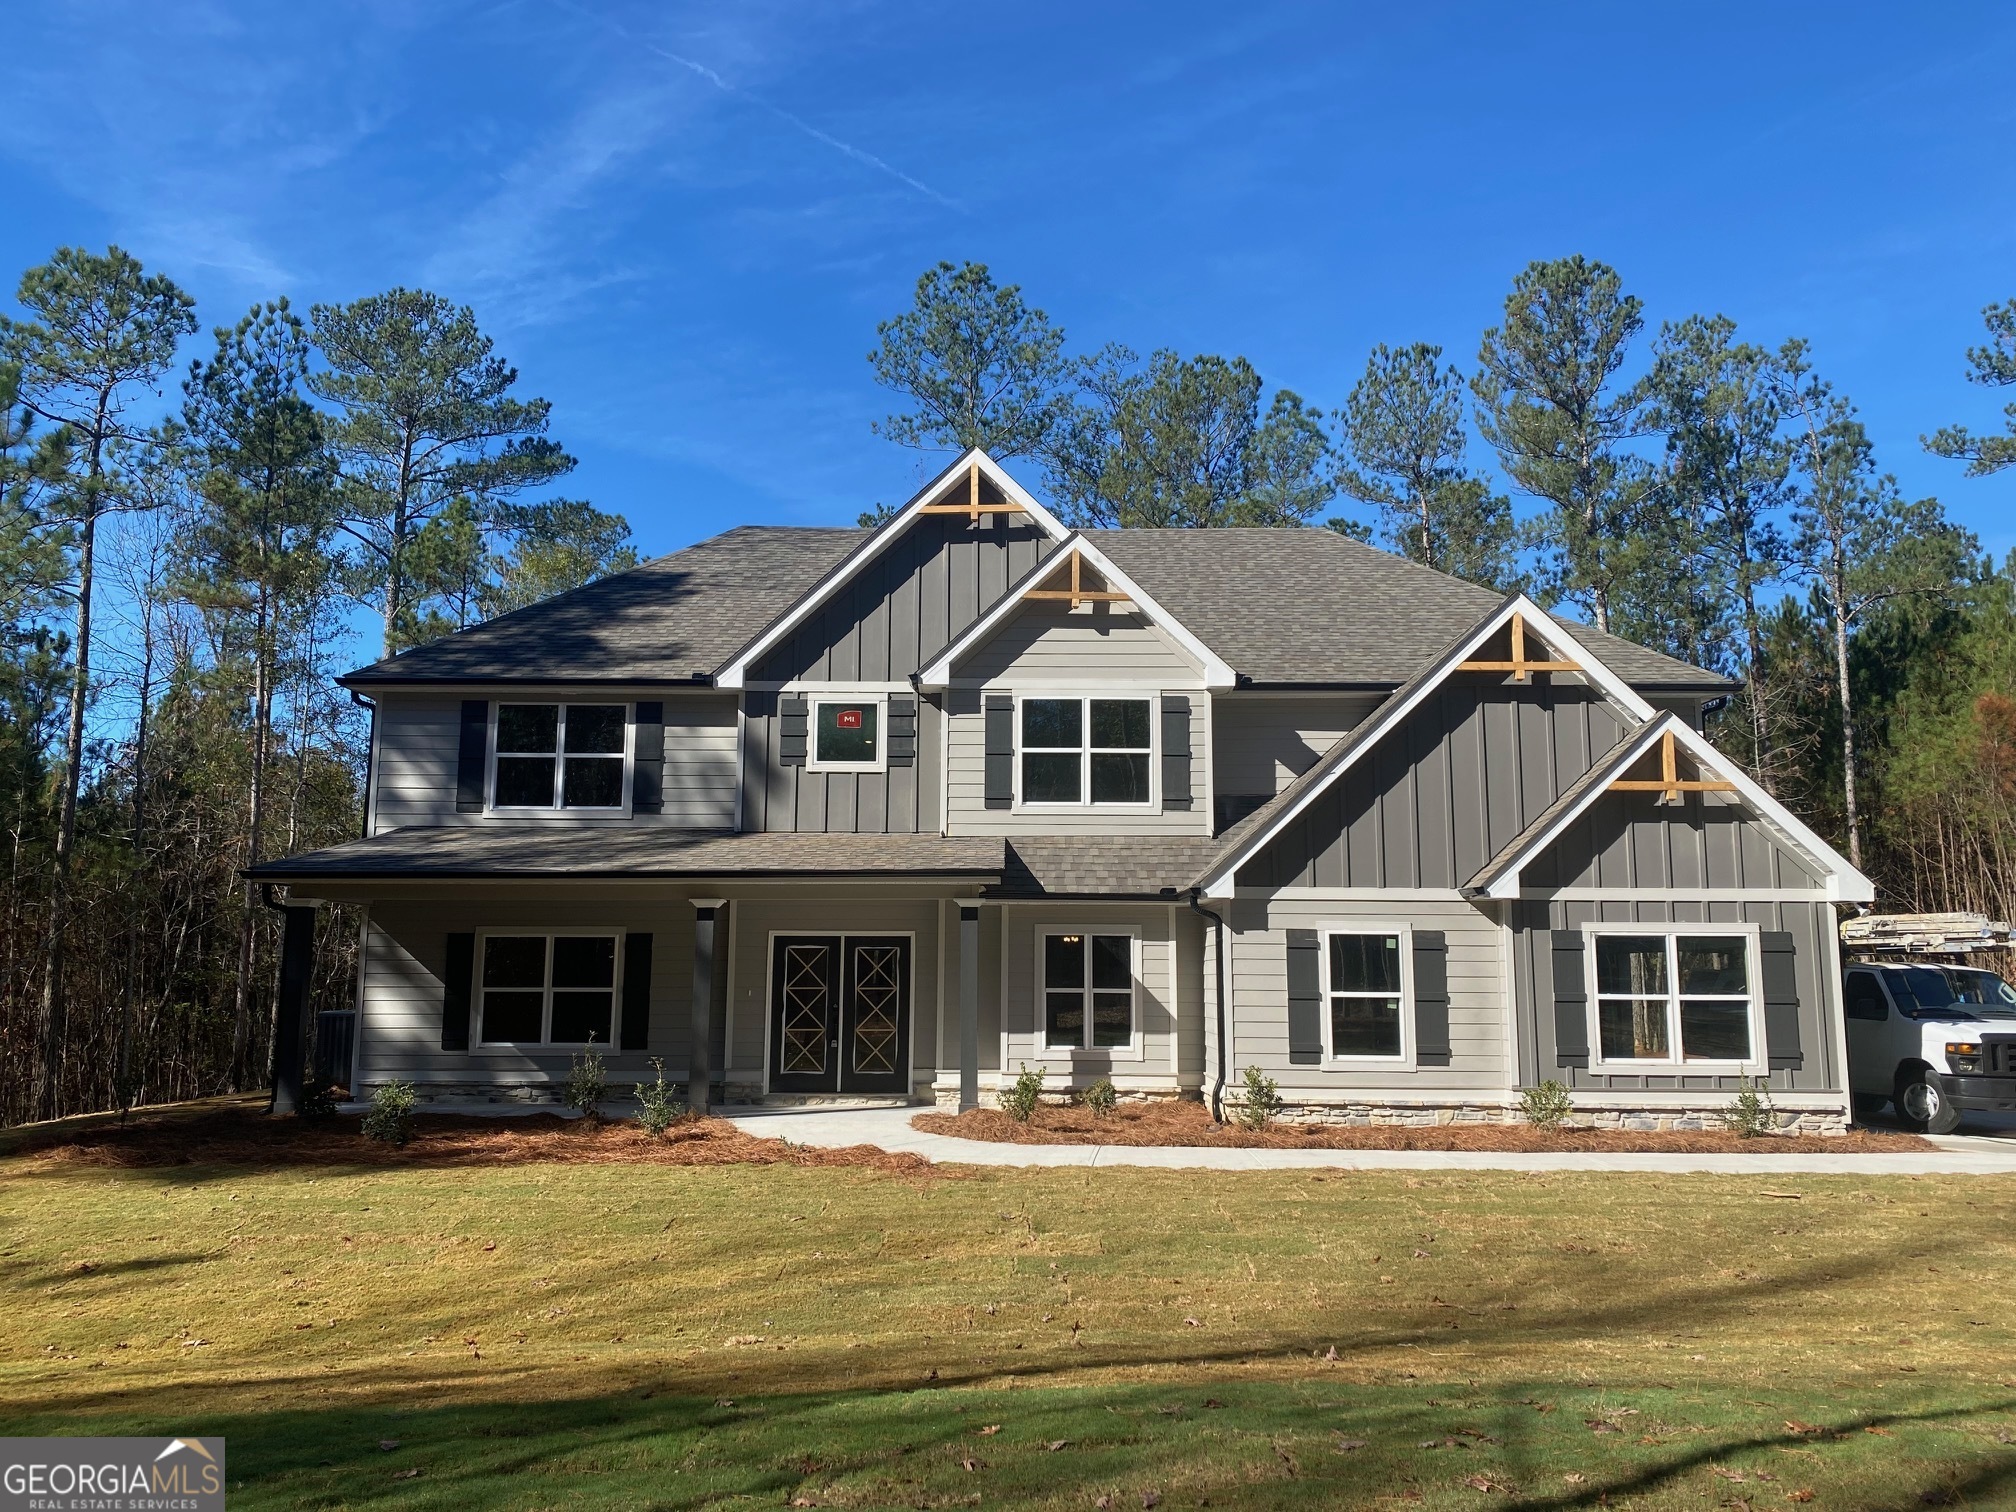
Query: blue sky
[683, 222]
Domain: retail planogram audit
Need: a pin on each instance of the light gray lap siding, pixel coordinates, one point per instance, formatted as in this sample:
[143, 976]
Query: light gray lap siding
[1261, 742]
[419, 745]
[1438, 797]
[405, 956]
[1478, 1000]
[1811, 925]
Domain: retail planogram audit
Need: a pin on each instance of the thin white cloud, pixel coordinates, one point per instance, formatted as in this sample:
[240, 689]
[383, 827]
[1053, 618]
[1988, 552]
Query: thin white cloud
[859, 155]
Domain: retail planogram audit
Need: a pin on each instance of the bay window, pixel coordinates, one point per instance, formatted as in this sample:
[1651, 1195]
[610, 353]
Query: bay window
[1086, 750]
[1669, 996]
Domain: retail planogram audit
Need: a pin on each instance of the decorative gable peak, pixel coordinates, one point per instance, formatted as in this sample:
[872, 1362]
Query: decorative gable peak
[1078, 582]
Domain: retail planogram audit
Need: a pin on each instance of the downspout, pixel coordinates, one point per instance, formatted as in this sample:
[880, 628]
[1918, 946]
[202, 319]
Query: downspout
[1218, 956]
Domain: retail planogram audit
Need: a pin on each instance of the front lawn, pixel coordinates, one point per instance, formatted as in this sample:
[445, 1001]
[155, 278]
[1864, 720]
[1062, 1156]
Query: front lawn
[631, 1335]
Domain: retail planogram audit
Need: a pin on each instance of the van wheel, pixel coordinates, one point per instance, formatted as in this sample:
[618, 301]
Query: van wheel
[1923, 1104]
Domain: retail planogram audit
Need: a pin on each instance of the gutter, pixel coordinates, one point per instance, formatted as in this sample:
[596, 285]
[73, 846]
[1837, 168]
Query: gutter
[1218, 956]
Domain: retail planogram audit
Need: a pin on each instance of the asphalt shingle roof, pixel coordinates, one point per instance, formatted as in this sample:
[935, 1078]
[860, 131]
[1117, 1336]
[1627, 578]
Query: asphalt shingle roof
[673, 619]
[635, 851]
[1298, 606]
[1140, 866]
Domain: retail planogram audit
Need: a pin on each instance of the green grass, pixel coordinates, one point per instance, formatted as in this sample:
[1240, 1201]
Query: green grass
[656, 1336]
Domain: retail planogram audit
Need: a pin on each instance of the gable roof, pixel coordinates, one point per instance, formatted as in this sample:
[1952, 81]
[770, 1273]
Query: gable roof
[673, 619]
[1243, 842]
[1216, 673]
[1500, 877]
[947, 487]
[1295, 605]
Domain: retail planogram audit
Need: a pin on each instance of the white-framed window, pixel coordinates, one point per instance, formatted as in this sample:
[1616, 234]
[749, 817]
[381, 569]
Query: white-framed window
[1086, 750]
[552, 757]
[847, 733]
[1367, 982]
[1088, 995]
[548, 987]
[1674, 996]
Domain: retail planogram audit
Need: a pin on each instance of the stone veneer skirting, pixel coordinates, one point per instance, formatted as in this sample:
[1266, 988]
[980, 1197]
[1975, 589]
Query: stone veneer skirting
[1648, 1119]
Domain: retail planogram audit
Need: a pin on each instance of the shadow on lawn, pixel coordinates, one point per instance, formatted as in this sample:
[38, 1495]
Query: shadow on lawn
[1258, 1444]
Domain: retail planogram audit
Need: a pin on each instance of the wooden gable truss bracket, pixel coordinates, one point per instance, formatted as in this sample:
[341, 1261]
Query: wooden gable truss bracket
[1668, 783]
[1078, 593]
[1519, 666]
[972, 508]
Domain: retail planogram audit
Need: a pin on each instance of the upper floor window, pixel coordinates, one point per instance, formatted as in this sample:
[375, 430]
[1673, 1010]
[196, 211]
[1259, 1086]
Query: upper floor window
[1086, 750]
[1672, 997]
[846, 734]
[561, 756]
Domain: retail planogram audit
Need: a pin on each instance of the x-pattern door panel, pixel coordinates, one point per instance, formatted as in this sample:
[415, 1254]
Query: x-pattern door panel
[840, 1013]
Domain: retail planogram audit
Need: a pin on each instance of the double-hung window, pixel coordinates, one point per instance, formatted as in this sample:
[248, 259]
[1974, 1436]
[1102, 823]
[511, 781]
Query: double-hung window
[1088, 991]
[561, 756]
[1672, 997]
[1086, 750]
[846, 734]
[547, 989]
[1365, 996]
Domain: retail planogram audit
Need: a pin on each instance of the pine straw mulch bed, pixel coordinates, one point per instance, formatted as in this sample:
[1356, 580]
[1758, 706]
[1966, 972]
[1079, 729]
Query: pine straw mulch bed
[1189, 1124]
[243, 1136]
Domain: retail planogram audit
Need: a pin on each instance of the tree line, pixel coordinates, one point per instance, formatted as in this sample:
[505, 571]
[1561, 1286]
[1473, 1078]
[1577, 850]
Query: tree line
[1707, 494]
[182, 564]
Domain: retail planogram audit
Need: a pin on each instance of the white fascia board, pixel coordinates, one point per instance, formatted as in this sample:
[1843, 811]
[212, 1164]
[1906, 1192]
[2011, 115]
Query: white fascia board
[735, 674]
[1844, 884]
[1220, 883]
[1216, 673]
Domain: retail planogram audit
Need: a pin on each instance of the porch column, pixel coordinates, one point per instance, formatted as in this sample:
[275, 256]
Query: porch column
[290, 1023]
[969, 1006]
[699, 1057]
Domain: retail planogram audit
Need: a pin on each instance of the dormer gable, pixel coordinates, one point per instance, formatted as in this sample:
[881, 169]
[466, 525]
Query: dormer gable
[910, 587]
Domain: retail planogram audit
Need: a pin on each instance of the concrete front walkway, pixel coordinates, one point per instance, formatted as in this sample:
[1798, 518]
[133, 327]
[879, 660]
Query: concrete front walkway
[889, 1129]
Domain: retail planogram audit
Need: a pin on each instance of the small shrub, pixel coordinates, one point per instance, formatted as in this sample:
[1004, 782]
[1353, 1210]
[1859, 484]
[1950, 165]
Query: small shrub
[1100, 1097]
[659, 1108]
[1546, 1106]
[1260, 1102]
[318, 1101]
[587, 1082]
[389, 1119]
[1019, 1102]
[1750, 1115]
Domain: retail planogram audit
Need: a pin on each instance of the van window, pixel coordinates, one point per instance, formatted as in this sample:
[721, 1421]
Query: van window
[1922, 992]
[1974, 986]
[1865, 997]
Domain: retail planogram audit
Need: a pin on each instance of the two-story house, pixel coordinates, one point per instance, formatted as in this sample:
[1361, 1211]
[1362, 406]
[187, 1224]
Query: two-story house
[900, 811]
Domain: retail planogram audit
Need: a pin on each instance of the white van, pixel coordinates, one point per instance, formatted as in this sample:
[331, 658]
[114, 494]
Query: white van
[1937, 1041]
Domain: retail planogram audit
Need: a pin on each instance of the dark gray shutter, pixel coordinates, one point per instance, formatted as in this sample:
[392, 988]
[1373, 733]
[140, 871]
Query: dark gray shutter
[1431, 997]
[455, 986]
[791, 714]
[1571, 999]
[1780, 974]
[636, 1031]
[902, 732]
[1000, 751]
[1175, 751]
[1305, 997]
[470, 760]
[647, 782]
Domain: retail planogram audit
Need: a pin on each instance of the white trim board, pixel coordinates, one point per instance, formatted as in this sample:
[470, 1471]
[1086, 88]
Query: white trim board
[938, 674]
[736, 672]
[1539, 624]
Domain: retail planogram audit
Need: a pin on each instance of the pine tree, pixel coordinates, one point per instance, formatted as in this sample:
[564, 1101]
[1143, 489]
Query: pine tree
[1993, 366]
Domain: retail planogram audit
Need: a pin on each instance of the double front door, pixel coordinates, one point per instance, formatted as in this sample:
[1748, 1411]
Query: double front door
[840, 1013]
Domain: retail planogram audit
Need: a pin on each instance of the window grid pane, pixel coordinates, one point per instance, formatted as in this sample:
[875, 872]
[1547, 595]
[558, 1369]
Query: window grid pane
[595, 729]
[1051, 778]
[528, 728]
[1367, 1026]
[1365, 963]
[847, 733]
[525, 781]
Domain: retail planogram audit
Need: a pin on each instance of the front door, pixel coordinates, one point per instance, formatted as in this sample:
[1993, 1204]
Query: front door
[840, 1013]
